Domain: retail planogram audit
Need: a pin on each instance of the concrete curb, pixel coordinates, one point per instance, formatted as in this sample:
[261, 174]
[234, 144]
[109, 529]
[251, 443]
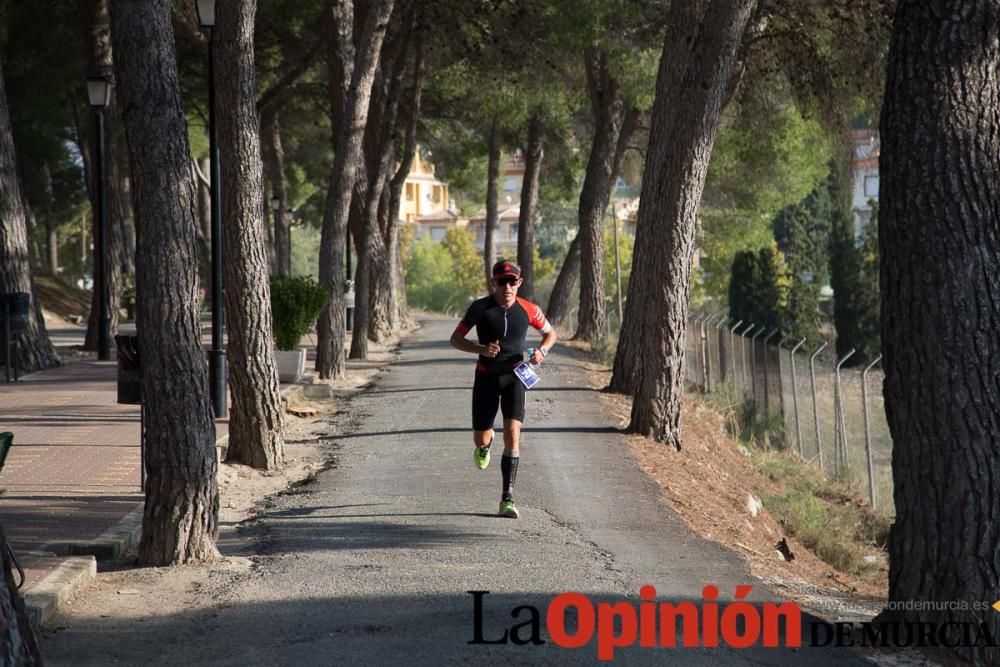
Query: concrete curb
[46, 597]
[113, 544]
[49, 595]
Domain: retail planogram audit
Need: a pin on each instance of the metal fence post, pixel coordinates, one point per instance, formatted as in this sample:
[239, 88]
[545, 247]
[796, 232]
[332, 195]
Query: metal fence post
[753, 365]
[781, 385]
[795, 400]
[732, 351]
[812, 375]
[838, 415]
[704, 353]
[743, 353]
[868, 434]
[718, 338]
[706, 332]
[767, 393]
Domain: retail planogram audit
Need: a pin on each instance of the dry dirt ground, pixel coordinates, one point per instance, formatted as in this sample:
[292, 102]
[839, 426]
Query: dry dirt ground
[709, 484]
[710, 481]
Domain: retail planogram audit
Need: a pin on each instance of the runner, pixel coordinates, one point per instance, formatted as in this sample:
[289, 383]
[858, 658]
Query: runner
[501, 321]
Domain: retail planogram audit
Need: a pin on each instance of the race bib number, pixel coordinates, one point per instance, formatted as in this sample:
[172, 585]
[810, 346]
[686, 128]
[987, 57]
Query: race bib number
[526, 374]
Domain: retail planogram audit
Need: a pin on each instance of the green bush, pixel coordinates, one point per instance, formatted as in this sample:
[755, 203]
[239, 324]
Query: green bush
[296, 302]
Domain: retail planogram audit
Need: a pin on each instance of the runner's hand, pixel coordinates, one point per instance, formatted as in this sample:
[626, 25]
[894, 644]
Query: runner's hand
[492, 350]
[537, 357]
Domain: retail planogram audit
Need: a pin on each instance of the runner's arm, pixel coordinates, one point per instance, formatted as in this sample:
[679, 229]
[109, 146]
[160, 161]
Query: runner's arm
[548, 340]
[460, 342]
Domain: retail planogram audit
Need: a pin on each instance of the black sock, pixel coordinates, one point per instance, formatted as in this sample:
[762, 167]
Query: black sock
[508, 467]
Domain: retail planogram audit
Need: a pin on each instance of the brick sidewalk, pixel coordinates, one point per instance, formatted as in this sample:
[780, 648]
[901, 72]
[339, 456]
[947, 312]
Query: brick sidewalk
[73, 472]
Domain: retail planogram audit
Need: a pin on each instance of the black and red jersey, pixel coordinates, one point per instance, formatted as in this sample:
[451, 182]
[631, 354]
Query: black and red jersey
[507, 325]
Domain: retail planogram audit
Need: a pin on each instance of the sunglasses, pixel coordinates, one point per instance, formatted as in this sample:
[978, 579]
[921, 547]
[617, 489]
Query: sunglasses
[506, 281]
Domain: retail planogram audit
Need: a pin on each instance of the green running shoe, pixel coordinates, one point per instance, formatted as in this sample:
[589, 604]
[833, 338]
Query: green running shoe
[508, 509]
[481, 456]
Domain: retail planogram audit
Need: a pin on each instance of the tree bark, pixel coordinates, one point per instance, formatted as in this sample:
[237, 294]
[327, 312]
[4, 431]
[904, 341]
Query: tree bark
[695, 69]
[203, 187]
[100, 59]
[354, 117]
[399, 180]
[373, 289]
[492, 222]
[180, 523]
[18, 645]
[35, 351]
[562, 292]
[126, 217]
[609, 114]
[939, 245]
[256, 425]
[529, 205]
[275, 163]
[51, 257]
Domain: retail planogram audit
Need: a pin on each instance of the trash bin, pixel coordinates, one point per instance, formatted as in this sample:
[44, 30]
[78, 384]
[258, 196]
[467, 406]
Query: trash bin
[349, 303]
[129, 370]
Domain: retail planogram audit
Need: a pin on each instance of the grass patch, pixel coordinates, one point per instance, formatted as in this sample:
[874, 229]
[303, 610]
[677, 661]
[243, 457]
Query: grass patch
[825, 515]
[742, 420]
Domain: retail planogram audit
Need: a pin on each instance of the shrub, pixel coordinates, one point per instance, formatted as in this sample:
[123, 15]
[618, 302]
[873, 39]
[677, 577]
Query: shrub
[296, 302]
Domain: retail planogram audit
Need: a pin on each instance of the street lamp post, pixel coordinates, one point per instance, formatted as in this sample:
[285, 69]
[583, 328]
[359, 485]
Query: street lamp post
[217, 355]
[99, 93]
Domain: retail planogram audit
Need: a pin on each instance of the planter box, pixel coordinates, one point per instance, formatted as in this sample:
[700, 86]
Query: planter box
[291, 364]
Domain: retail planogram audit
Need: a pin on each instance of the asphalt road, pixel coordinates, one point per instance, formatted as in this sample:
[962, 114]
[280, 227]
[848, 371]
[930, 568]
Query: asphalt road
[371, 563]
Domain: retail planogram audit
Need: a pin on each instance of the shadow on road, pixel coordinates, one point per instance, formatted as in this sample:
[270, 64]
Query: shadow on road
[382, 629]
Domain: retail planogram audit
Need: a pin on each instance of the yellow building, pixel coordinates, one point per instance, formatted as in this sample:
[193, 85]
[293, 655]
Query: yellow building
[423, 193]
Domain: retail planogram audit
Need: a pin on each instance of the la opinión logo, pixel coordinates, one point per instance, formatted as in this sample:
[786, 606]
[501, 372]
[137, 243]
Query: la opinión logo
[649, 624]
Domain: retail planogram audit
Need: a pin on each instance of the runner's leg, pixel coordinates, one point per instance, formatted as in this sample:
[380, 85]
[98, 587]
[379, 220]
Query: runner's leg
[512, 405]
[485, 402]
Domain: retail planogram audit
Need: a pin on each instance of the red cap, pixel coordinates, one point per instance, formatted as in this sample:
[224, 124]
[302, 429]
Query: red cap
[505, 268]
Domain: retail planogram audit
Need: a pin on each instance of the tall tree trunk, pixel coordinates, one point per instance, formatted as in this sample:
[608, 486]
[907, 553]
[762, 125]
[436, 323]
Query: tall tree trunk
[529, 205]
[100, 59]
[18, 645]
[699, 52]
[35, 256]
[51, 247]
[36, 351]
[126, 217]
[399, 180]
[203, 186]
[374, 273]
[492, 206]
[256, 426]
[609, 114]
[180, 523]
[562, 292]
[347, 150]
[51, 264]
[939, 244]
[274, 155]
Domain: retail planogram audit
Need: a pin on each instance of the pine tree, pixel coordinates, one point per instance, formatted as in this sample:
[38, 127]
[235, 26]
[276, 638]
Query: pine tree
[770, 293]
[743, 280]
[802, 234]
[853, 277]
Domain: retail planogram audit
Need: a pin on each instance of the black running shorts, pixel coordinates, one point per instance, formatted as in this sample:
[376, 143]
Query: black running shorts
[493, 389]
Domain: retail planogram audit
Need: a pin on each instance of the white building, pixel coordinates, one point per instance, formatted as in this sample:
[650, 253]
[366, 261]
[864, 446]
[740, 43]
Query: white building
[864, 176]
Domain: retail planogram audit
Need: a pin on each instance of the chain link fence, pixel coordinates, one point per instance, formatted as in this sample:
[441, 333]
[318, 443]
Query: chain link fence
[801, 397]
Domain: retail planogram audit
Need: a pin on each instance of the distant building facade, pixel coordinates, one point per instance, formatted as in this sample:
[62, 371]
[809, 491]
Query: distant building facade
[864, 176]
